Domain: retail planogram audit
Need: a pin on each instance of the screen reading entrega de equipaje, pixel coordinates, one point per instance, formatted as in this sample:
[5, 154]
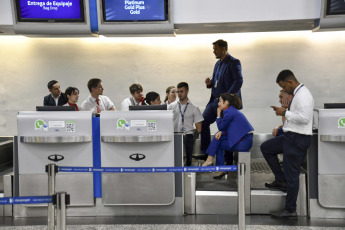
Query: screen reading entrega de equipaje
[134, 10]
[50, 9]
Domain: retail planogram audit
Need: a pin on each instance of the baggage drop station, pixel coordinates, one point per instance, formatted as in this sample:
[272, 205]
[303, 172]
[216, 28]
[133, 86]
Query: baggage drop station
[136, 139]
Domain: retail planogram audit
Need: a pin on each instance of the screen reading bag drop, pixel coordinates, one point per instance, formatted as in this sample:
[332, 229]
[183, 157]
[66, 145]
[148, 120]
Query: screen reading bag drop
[59, 10]
[134, 10]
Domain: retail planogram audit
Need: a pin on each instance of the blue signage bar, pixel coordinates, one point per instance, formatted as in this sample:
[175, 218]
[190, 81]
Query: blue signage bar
[26, 200]
[232, 168]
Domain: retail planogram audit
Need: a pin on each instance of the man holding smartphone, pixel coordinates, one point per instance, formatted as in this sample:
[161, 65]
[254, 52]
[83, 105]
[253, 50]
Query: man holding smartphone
[293, 144]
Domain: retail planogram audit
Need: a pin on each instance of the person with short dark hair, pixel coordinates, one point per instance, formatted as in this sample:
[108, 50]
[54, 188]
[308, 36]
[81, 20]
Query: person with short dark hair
[170, 95]
[96, 102]
[72, 93]
[293, 144]
[153, 98]
[226, 77]
[56, 97]
[137, 98]
[235, 132]
[186, 114]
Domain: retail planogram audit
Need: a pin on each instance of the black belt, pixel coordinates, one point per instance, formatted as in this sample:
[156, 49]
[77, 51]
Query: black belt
[289, 133]
[293, 133]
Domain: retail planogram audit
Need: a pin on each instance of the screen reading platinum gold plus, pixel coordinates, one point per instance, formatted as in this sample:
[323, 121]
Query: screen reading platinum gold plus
[50, 9]
[134, 10]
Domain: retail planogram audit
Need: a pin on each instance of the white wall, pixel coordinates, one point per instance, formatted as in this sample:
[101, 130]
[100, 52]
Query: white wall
[27, 64]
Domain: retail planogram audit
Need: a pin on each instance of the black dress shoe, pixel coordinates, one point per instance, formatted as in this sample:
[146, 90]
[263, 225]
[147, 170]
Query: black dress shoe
[200, 157]
[220, 176]
[285, 214]
[276, 185]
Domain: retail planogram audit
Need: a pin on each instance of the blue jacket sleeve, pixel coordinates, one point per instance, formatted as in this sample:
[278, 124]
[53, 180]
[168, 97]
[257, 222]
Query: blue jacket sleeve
[236, 71]
[224, 123]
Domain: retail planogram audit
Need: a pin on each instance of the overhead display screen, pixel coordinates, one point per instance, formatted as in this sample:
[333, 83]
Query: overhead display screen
[50, 10]
[134, 10]
[335, 7]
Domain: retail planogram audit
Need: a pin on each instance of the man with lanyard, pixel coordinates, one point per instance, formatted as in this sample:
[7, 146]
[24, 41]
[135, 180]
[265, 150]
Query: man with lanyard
[96, 102]
[226, 77]
[185, 114]
[137, 98]
[293, 144]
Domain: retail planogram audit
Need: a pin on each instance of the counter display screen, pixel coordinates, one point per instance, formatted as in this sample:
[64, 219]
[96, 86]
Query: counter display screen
[134, 10]
[335, 7]
[50, 10]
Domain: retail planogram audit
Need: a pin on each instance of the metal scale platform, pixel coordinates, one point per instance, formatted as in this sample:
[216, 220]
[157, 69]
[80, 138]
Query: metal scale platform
[205, 195]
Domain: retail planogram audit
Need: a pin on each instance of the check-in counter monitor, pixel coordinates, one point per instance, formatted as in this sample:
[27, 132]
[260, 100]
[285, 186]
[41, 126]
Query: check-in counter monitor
[137, 139]
[61, 138]
[331, 158]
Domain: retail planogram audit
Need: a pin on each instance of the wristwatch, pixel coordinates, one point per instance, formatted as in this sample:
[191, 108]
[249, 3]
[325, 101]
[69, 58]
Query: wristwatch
[284, 112]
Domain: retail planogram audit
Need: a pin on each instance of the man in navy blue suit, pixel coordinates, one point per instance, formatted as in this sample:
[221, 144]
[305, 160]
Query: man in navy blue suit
[55, 98]
[226, 77]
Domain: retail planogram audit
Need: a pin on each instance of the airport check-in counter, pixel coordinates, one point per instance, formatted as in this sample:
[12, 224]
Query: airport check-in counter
[328, 199]
[137, 139]
[47, 136]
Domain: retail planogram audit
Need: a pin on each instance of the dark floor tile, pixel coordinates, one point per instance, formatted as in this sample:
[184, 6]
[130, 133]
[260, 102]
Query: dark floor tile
[227, 219]
[268, 220]
[155, 220]
[327, 222]
[187, 219]
[253, 220]
[9, 221]
[206, 219]
[101, 220]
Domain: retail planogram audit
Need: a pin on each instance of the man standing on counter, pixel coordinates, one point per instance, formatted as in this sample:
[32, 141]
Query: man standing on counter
[293, 144]
[226, 77]
[55, 98]
[96, 102]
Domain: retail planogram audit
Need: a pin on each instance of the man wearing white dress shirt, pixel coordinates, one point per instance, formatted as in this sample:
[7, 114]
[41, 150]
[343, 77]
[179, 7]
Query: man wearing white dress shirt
[96, 102]
[293, 144]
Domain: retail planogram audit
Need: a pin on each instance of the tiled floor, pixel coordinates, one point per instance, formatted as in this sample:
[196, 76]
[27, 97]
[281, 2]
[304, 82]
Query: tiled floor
[175, 222]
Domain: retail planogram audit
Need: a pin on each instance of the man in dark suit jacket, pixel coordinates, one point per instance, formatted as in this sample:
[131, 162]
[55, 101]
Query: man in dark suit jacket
[226, 77]
[55, 98]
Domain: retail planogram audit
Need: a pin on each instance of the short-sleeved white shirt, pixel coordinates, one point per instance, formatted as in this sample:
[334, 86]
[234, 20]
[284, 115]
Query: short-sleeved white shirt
[192, 115]
[90, 104]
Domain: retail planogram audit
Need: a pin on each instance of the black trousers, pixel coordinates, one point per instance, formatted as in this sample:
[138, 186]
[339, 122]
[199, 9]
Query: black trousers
[188, 142]
[294, 147]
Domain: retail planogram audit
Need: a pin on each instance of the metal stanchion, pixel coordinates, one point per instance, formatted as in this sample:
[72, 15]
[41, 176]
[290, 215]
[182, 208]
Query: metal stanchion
[51, 169]
[241, 203]
[62, 200]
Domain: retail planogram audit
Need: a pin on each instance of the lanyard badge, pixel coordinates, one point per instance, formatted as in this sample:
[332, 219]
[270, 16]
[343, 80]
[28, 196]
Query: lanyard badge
[182, 115]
